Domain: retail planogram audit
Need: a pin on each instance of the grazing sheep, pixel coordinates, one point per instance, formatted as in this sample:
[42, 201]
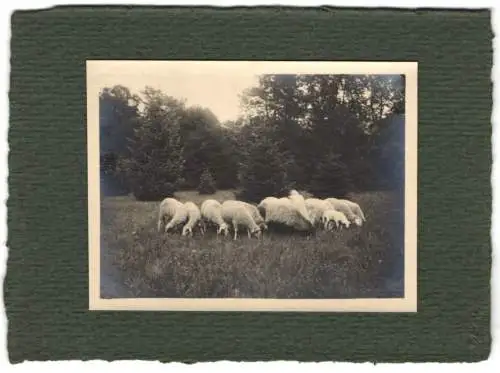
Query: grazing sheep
[336, 217]
[299, 202]
[194, 219]
[237, 214]
[343, 207]
[172, 211]
[257, 217]
[211, 214]
[283, 211]
[316, 207]
[355, 209]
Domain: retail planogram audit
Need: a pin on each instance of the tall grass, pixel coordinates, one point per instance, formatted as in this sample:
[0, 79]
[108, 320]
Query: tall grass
[342, 264]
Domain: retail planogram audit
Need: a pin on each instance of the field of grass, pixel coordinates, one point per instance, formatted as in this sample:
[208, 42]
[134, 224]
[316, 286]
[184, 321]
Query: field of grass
[364, 261]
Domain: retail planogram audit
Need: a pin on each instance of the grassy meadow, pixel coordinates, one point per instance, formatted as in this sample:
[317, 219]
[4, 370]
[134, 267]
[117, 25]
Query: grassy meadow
[357, 262]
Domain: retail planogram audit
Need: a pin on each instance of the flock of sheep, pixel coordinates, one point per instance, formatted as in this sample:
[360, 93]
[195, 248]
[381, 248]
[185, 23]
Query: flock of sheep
[294, 211]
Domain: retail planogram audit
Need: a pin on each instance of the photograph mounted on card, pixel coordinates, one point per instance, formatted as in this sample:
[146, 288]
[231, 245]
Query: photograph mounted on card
[252, 186]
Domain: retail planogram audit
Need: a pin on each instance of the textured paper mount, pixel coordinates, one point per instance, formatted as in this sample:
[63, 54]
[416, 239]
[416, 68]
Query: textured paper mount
[97, 71]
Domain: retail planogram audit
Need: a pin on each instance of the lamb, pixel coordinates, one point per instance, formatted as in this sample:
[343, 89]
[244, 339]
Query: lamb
[173, 211]
[194, 219]
[316, 207]
[343, 207]
[355, 209]
[283, 211]
[237, 214]
[335, 216]
[211, 213]
[257, 217]
[299, 202]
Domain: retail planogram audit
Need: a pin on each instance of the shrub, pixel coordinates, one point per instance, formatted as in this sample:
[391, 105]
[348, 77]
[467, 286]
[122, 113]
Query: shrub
[207, 183]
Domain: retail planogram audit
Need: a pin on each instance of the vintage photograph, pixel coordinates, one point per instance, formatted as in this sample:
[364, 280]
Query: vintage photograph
[252, 185]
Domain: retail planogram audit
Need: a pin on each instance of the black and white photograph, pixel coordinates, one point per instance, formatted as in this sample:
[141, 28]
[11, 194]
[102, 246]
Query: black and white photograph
[252, 185]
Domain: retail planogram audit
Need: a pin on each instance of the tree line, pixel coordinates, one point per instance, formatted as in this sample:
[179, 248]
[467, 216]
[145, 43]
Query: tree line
[328, 134]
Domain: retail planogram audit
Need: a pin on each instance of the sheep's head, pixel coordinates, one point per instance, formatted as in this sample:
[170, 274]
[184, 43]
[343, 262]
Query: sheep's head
[187, 231]
[358, 221]
[201, 226]
[263, 226]
[257, 232]
[223, 228]
[330, 224]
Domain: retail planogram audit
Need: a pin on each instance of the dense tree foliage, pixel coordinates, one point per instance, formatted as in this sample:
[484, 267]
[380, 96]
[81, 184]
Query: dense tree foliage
[155, 161]
[330, 134]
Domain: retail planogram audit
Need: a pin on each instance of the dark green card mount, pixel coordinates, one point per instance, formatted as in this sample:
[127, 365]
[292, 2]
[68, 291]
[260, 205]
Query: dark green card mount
[46, 286]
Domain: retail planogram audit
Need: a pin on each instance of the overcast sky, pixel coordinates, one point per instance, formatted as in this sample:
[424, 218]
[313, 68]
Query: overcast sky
[217, 90]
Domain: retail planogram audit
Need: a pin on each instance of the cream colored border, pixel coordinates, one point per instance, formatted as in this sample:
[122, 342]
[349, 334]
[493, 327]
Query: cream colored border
[95, 69]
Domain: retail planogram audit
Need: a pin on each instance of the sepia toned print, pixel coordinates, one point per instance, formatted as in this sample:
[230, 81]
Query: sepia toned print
[252, 186]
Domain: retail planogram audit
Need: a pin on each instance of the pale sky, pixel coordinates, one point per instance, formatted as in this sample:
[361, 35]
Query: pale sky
[217, 90]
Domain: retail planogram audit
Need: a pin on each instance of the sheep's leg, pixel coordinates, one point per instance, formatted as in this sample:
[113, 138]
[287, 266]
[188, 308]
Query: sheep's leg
[166, 224]
[160, 223]
[249, 234]
[235, 230]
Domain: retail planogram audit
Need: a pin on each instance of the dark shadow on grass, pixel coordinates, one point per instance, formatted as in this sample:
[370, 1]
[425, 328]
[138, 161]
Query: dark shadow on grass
[279, 229]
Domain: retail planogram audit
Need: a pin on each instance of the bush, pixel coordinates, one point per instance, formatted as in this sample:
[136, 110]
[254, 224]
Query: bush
[331, 178]
[207, 183]
[147, 193]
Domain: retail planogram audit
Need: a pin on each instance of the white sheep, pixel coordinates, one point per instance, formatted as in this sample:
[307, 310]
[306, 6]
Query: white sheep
[316, 207]
[283, 211]
[211, 214]
[299, 202]
[237, 214]
[343, 207]
[194, 219]
[355, 209]
[257, 217]
[336, 217]
[172, 211]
